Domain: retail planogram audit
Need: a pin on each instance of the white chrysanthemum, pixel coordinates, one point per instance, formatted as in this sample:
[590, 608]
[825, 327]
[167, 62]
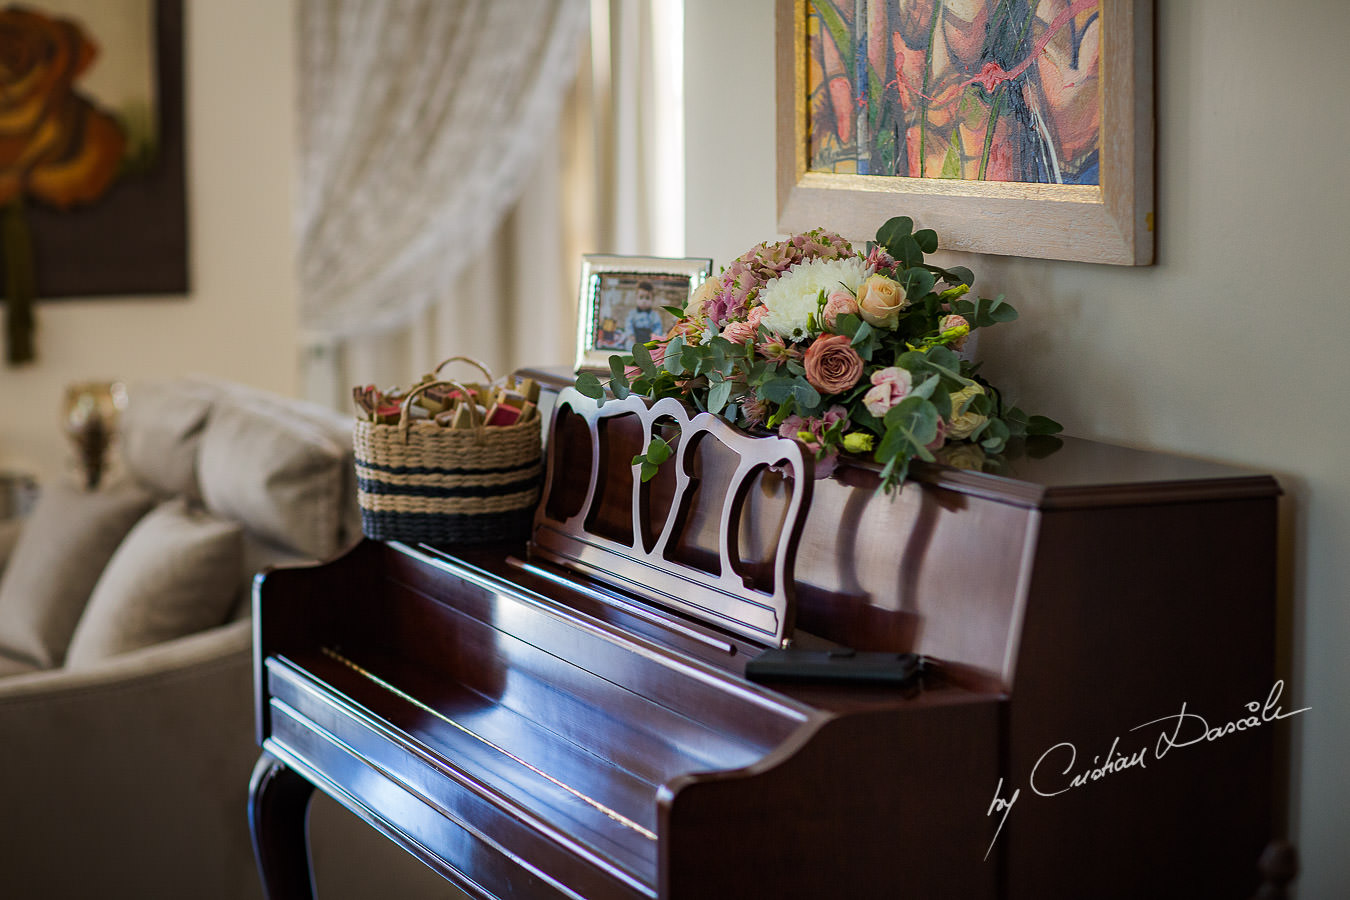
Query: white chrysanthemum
[794, 296]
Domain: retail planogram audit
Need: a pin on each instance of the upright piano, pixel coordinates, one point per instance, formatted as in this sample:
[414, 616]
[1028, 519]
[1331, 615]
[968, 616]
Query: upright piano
[1050, 674]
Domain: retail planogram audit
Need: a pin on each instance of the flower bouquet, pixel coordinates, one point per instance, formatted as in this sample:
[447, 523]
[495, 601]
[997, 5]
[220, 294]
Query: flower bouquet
[849, 353]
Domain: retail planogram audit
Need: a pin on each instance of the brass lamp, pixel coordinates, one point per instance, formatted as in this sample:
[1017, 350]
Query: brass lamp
[90, 418]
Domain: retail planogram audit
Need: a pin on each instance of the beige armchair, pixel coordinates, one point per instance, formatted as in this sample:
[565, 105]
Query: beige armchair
[126, 720]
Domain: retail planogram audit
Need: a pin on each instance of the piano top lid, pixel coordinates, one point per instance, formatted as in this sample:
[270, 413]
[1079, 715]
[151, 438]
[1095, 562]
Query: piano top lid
[1061, 472]
[1076, 473]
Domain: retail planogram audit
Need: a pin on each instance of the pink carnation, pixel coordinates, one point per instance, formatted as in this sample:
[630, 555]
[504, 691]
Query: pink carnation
[889, 387]
[811, 432]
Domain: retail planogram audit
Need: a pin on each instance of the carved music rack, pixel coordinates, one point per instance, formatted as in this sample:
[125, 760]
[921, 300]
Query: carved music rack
[626, 532]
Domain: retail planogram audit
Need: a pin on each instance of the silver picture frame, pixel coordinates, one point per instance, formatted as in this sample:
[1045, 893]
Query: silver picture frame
[623, 298]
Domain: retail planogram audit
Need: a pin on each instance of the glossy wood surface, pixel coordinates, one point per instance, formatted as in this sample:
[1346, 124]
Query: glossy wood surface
[530, 731]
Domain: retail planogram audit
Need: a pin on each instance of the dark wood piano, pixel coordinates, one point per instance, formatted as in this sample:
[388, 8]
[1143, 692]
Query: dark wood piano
[1052, 679]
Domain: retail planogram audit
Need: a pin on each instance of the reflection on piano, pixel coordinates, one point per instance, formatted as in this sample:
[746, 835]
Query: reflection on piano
[572, 718]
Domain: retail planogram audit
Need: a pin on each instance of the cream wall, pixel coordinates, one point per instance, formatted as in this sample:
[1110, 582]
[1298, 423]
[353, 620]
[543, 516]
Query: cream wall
[1231, 348]
[239, 318]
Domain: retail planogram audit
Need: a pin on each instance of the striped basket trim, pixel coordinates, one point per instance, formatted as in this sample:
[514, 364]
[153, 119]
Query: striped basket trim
[438, 477]
[446, 529]
[387, 469]
[402, 503]
[460, 487]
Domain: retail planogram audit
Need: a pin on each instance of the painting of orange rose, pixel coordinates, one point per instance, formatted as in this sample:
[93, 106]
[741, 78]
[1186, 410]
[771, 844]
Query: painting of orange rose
[56, 145]
[976, 90]
[91, 157]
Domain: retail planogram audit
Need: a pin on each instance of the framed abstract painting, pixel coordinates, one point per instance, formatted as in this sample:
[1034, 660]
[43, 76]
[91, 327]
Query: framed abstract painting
[1017, 127]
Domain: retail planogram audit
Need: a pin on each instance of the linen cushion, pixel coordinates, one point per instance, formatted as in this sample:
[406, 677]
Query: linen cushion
[175, 574]
[284, 477]
[11, 666]
[9, 536]
[64, 545]
[161, 430]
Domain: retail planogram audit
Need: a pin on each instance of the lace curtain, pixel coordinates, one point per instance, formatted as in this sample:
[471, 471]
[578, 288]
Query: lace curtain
[421, 122]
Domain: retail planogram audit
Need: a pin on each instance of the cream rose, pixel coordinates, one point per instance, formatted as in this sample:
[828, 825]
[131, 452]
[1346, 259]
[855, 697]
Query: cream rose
[964, 421]
[702, 296]
[880, 300]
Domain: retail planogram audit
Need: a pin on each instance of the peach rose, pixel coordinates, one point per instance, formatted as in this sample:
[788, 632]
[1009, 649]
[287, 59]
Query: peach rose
[880, 300]
[832, 365]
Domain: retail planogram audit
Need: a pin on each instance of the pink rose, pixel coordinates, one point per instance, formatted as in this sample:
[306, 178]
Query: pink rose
[840, 303]
[889, 387]
[756, 315]
[832, 365]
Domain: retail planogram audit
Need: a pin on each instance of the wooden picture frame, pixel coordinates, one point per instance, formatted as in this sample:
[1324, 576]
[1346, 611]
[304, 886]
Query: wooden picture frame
[610, 301]
[1109, 222]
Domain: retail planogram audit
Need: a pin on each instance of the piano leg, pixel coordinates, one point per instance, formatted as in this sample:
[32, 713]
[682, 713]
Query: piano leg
[278, 803]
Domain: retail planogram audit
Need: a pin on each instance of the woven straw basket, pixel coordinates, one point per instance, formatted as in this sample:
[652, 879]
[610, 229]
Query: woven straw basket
[419, 481]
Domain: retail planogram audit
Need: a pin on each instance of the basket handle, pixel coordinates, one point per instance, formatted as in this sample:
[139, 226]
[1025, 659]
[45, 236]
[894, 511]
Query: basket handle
[473, 362]
[477, 421]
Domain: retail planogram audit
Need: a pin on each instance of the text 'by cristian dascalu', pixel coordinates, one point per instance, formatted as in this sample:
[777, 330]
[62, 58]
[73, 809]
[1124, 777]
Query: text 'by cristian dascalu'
[1057, 771]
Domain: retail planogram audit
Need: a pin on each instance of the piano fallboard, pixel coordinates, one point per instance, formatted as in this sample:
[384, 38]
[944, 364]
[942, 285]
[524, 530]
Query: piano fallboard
[540, 743]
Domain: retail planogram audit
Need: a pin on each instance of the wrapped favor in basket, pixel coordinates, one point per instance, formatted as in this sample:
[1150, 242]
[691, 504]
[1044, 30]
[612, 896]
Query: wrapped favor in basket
[448, 462]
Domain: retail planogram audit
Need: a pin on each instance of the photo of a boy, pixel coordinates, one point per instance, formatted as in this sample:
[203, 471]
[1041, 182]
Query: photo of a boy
[644, 322]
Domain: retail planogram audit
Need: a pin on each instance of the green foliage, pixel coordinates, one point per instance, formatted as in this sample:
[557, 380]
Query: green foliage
[763, 389]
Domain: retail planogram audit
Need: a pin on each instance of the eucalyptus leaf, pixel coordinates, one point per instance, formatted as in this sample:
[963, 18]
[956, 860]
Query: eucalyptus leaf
[642, 357]
[907, 252]
[718, 395]
[618, 381]
[963, 275]
[927, 387]
[588, 384]
[673, 361]
[1043, 425]
[658, 451]
[807, 396]
[863, 333]
[777, 389]
[918, 282]
[889, 235]
[927, 240]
